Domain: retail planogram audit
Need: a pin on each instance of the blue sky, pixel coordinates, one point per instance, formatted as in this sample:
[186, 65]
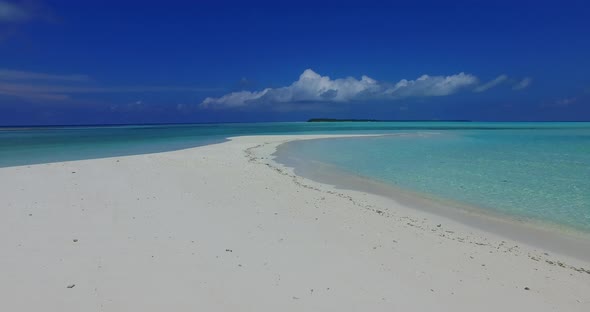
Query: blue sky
[86, 62]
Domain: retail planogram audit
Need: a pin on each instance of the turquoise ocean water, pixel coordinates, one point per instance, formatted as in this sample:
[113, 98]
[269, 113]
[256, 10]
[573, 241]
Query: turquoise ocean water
[21, 146]
[536, 175]
[537, 171]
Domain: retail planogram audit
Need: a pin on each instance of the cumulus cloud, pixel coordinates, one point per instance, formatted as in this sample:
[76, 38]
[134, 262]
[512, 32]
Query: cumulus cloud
[235, 98]
[522, 84]
[488, 85]
[312, 87]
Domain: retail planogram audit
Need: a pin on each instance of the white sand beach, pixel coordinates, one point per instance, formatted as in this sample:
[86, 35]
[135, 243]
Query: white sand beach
[224, 228]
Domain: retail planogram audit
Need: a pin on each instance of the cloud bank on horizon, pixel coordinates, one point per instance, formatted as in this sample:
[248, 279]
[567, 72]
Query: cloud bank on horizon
[312, 87]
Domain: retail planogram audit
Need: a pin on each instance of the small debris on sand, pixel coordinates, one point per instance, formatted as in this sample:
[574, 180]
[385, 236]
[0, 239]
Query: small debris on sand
[72, 286]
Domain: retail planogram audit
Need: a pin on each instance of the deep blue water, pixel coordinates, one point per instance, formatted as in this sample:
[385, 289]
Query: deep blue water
[539, 171]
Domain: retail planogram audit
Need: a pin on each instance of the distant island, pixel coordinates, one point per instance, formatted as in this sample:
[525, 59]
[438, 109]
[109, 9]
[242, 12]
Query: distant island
[377, 120]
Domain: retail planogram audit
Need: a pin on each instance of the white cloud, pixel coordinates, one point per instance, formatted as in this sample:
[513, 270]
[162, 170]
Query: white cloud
[522, 84]
[312, 87]
[10, 12]
[488, 85]
[235, 98]
[431, 85]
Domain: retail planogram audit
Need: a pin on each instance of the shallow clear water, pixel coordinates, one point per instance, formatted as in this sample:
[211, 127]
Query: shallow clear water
[529, 170]
[534, 174]
[21, 146]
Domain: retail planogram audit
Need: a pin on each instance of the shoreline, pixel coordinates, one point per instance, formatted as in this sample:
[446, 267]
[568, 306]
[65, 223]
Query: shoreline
[546, 235]
[222, 227]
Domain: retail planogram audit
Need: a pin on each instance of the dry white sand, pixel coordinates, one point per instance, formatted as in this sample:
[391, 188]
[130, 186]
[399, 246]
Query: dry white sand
[223, 228]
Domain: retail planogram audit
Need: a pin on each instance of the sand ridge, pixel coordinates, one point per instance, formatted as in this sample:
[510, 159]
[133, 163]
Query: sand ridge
[222, 227]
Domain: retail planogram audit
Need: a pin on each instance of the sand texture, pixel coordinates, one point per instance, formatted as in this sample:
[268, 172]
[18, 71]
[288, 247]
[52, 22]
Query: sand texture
[224, 228]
